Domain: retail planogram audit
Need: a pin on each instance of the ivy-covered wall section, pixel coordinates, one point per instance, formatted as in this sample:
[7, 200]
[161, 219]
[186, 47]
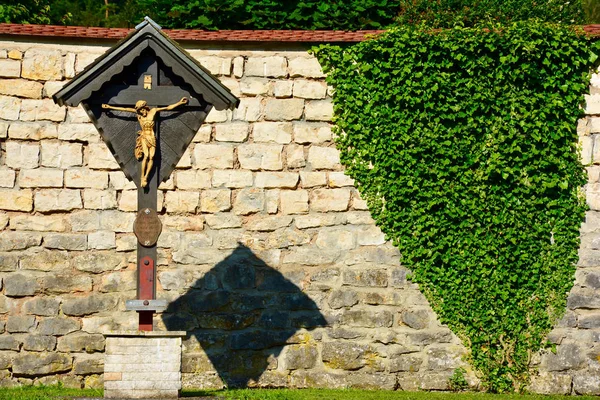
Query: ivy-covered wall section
[464, 144]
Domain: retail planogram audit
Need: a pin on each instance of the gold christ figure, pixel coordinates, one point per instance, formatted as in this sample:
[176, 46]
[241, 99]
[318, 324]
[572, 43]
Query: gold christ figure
[145, 143]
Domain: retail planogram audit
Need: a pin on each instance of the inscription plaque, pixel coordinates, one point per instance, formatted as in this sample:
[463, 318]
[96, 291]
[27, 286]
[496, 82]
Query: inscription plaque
[147, 227]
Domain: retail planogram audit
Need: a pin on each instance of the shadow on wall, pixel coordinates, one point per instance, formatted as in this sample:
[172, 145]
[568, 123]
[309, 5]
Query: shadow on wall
[242, 313]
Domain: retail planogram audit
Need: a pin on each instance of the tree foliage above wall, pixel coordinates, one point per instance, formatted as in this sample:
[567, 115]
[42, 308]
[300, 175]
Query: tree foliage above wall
[463, 142]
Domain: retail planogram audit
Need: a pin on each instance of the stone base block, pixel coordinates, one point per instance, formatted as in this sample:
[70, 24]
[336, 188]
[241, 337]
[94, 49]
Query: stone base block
[142, 365]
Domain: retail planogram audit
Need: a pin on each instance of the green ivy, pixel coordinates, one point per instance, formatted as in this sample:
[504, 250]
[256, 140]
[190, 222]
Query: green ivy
[464, 144]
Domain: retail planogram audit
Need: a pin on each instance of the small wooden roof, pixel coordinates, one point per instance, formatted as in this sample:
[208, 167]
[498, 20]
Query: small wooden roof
[146, 35]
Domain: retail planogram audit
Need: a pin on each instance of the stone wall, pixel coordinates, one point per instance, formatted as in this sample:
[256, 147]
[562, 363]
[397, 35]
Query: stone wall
[269, 258]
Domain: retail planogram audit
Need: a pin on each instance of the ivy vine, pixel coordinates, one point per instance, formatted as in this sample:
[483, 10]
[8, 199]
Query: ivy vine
[463, 142]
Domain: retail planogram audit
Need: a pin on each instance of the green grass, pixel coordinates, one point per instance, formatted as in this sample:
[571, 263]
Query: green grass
[59, 393]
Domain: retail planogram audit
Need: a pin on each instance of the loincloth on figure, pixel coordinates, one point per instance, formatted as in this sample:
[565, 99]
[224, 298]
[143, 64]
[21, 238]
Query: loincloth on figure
[144, 138]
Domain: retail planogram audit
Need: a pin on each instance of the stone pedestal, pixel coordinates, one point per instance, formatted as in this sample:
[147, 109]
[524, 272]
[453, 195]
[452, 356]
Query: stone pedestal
[142, 365]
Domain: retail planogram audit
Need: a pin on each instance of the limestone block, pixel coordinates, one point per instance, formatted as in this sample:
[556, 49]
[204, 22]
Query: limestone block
[255, 86]
[65, 241]
[15, 54]
[10, 68]
[311, 132]
[592, 105]
[324, 157]
[31, 131]
[213, 156]
[371, 236]
[231, 178]
[294, 201]
[272, 132]
[38, 110]
[70, 65]
[193, 180]
[306, 89]
[120, 281]
[344, 355]
[313, 179]
[568, 356]
[33, 364]
[101, 240]
[182, 223]
[250, 109]
[341, 298]
[10, 342]
[7, 178]
[367, 318]
[61, 154]
[182, 202]
[96, 199]
[44, 306]
[116, 221]
[359, 204]
[67, 283]
[249, 201]
[216, 65]
[186, 159]
[586, 384]
[78, 132]
[323, 200]
[97, 261]
[283, 88]
[77, 115]
[58, 326]
[339, 179]
[10, 107]
[83, 60]
[596, 151]
[269, 67]
[317, 220]
[3, 223]
[218, 116]
[19, 285]
[40, 178]
[84, 221]
[3, 129]
[294, 155]
[260, 156]
[270, 180]
[300, 356]
[90, 304]
[287, 237]
[343, 239]
[223, 221]
[100, 157]
[22, 155]
[231, 132]
[57, 200]
[43, 65]
[215, 200]
[51, 87]
[305, 67]
[269, 223]
[21, 88]
[119, 181]
[39, 343]
[86, 364]
[283, 109]
[20, 323]
[86, 178]
[126, 243]
[16, 200]
[203, 134]
[238, 67]
[319, 110]
[11, 240]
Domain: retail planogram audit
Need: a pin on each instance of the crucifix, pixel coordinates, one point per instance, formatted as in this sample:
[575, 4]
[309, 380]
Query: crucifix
[147, 97]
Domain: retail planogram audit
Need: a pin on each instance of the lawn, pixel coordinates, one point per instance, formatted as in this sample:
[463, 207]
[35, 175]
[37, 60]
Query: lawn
[59, 393]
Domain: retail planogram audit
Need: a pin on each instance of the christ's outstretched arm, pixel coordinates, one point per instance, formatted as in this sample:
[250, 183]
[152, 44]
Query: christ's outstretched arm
[108, 106]
[181, 102]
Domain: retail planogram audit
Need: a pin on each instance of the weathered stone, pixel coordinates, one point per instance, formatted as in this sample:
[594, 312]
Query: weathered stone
[342, 298]
[39, 343]
[249, 201]
[45, 306]
[9, 342]
[216, 65]
[313, 179]
[18, 285]
[294, 155]
[232, 132]
[80, 341]
[8, 262]
[284, 180]
[40, 223]
[324, 158]
[300, 357]
[335, 239]
[213, 156]
[10, 240]
[43, 65]
[67, 283]
[94, 381]
[249, 109]
[198, 256]
[410, 381]
[584, 298]
[344, 355]
[444, 358]
[7, 178]
[272, 132]
[101, 240]
[3, 220]
[86, 178]
[283, 109]
[31, 131]
[223, 221]
[287, 237]
[86, 364]
[406, 363]
[311, 132]
[33, 364]
[260, 156]
[191, 180]
[65, 241]
[21, 88]
[22, 155]
[367, 319]
[39, 110]
[97, 199]
[319, 110]
[255, 86]
[230, 178]
[182, 202]
[118, 281]
[294, 201]
[58, 326]
[98, 261]
[586, 384]
[215, 200]
[20, 323]
[369, 277]
[309, 255]
[310, 89]
[10, 107]
[282, 88]
[546, 383]
[272, 201]
[305, 67]
[568, 356]
[323, 200]
[57, 200]
[268, 67]
[51, 87]
[61, 154]
[10, 68]
[78, 132]
[269, 223]
[119, 181]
